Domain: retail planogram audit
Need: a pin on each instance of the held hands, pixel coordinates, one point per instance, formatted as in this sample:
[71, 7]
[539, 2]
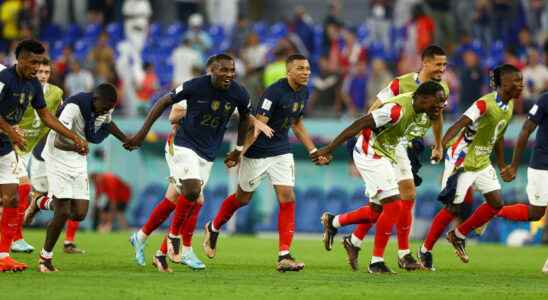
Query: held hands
[508, 173]
[233, 158]
[133, 142]
[437, 153]
[81, 145]
[321, 157]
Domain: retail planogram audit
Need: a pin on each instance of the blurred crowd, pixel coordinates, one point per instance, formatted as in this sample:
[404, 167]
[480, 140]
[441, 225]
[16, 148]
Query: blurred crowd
[127, 43]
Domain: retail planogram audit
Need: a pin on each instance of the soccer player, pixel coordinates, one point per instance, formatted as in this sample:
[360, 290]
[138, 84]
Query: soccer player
[376, 160]
[537, 173]
[210, 101]
[434, 64]
[90, 115]
[281, 107]
[19, 88]
[472, 140]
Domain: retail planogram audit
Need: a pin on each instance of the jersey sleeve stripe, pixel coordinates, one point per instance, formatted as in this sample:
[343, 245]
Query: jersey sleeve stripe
[395, 113]
[482, 106]
[395, 87]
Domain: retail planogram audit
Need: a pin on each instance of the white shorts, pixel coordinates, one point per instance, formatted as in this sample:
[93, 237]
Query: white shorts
[379, 176]
[537, 187]
[403, 164]
[484, 181]
[185, 164]
[67, 184]
[280, 170]
[38, 175]
[9, 169]
[23, 165]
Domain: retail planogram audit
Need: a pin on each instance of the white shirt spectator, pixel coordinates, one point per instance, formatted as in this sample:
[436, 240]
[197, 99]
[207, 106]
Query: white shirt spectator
[184, 59]
[78, 82]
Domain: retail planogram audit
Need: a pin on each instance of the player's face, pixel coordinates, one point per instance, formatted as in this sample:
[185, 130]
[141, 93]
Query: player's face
[434, 104]
[43, 74]
[512, 84]
[102, 107]
[298, 71]
[28, 64]
[223, 73]
[435, 66]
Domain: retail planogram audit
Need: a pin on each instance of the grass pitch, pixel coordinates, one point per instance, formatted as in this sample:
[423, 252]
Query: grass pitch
[244, 269]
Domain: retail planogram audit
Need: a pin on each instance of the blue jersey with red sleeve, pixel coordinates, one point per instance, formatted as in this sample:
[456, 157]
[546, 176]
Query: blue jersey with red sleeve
[16, 94]
[282, 105]
[208, 111]
[539, 115]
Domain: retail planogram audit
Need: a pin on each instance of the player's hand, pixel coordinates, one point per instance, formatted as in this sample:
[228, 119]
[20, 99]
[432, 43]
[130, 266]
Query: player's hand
[437, 153]
[81, 146]
[233, 158]
[134, 142]
[508, 173]
[260, 127]
[17, 138]
[322, 156]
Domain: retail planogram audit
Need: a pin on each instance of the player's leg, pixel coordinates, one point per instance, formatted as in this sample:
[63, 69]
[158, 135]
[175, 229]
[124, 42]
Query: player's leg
[61, 214]
[487, 183]
[10, 217]
[39, 198]
[23, 191]
[159, 214]
[286, 229]
[188, 256]
[120, 215]
[250, 173]
[78, 212]
[537, 192]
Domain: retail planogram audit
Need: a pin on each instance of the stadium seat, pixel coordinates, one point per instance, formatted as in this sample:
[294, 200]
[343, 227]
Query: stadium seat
[309, 209]
[145, 203]
[115, 31]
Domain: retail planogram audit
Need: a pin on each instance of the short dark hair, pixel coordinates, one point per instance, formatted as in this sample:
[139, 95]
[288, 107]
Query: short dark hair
[222, 56]
[106, 92]
[428, 88]
[499, 71]
[293, 57]
[30, 45]
[46, 61]
[432, 51]
[210, 61]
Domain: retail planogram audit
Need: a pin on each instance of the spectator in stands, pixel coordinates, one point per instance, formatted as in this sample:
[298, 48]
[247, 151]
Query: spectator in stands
[275, 70]
[147, 88]
[379, 22]
[78, 80]
[471, 79]
[301, 24]
[524, 43]
[101, 57]
[355, 86]
[9, 16]
[444, 20]
[351, 53]
[136, 18]
[482, 22]
[185, 60]
[253, 56]
[199, 39]
[379, 78]
[62, 65]
[535, 77]
[240, 32]
[331, 26]
[420, 34]
[511, 57]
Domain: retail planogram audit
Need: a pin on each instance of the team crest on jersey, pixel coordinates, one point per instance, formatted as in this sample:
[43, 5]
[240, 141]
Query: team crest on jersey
[228, 107]
[215, 104]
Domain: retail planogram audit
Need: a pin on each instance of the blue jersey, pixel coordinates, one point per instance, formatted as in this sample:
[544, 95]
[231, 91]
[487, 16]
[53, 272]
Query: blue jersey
[16, 94]
[539, 115]
[282, 105]
[208, 111]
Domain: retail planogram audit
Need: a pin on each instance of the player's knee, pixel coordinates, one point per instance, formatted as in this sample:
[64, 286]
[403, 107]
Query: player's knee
[455, 209]
[61, 212]
[192, 194]
[408, 191]
[78, 217]
[537, 213]
[8, 200]
[376, 207]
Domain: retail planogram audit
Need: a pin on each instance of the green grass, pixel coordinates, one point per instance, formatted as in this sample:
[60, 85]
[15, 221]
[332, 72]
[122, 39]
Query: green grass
[244, 269]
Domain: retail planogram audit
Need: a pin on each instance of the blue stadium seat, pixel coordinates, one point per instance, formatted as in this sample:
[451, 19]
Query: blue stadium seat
[82, 48]
[115, 31]
[73, 33]
[309, 209]
[92, 31]
[278, 30]
[146, 201]
[427, 204]
[362, 33]
[174, 30]
[261, 28]
[337, 200]
[51, 32]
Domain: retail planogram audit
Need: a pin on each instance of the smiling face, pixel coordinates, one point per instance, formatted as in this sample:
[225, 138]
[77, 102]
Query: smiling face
[432, 105]
[28, 64]
[223, 73]
[298, 71]
[435, 66]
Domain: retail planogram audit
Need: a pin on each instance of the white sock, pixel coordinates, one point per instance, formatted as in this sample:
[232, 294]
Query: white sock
[48, 204]
[141, 235]
[45, 254]
[356, 241]
[336, 222]
[460, 235]
[213, 228]
[17, 241]
[402, 253]
[68, 242]
[187, 250]
[284, 252]
[376, 259]
[4, 255]
[423, 249]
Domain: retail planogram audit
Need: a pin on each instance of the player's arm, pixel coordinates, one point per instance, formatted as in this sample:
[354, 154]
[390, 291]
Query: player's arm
[113, 129]
[455, 129]
[302, 134]
[156, 111]
[377, 103]
[499, 153]
[509, 173]
[16, 138]
[437, 129]
[175, 115]
[80, 145]
[251, 137]
[390, 91]
[244, 135]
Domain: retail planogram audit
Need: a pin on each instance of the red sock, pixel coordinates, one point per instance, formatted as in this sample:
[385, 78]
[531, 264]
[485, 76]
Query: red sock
[8, 226]
[440, 222]
[23, 191]
[469, 197]
[229, 206]
[72, 227]
[286, 225]
[362, 229]
[182, 210]
[387, 219]
[481, 215]
[190, 225]
[363, 214]
[516, 212]
[163, 246]
[44, 203]
[160, 213]
[403, 226]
